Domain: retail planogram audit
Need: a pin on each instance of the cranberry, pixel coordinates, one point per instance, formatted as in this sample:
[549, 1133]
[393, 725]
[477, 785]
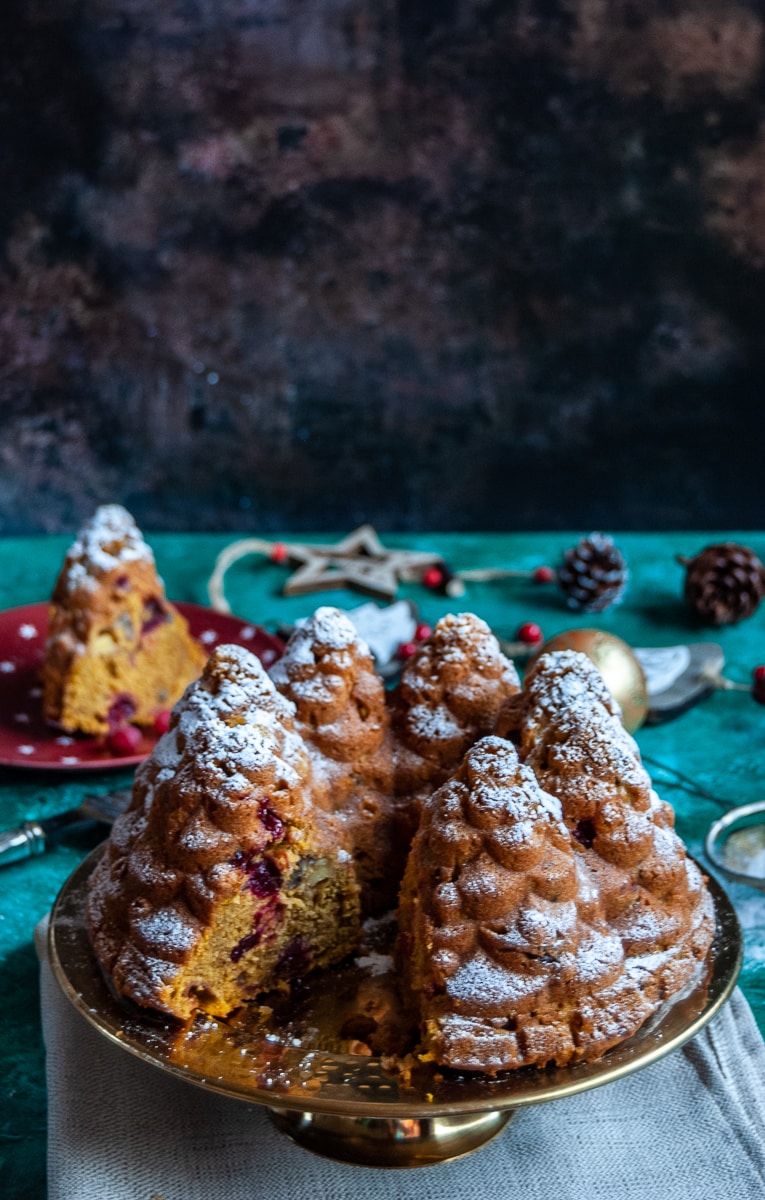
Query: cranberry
[263, 876]
[423, 632]
[294, 959]
[758, 684]
[530, 633]
[434, 577]
[406, 650]
[124, 740]
[122, 583]
[162, 721]
[248, 942]
[279, 552]
[121, 709]
[543, 575]
[584, 832]
[154, 614]
[272, 823]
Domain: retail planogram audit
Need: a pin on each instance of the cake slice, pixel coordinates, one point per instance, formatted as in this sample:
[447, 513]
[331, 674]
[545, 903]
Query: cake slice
[117, 650]
[503, 941]
[222, 880]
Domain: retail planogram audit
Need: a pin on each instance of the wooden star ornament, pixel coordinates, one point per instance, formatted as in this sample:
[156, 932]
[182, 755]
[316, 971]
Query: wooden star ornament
[359, 561]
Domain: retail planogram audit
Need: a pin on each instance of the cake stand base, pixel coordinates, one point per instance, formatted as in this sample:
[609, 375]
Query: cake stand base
[389, 1141]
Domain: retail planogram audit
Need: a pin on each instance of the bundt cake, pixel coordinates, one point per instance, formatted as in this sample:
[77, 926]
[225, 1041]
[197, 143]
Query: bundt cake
[222, 879]
[117, 650]
[548, 906]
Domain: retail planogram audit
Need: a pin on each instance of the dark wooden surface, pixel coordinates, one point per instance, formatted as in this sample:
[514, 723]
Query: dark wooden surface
[447, 265]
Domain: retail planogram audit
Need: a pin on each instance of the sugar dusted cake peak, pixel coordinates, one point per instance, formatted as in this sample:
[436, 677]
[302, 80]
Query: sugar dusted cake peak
[328, 632]
[117, 649]
[567, 680]
[232, 743]
[108, 540]
[235, 684]
[217, 868]
[451, 691]
[232, 723]
[500, 935]
[328, 672]
[570, 719]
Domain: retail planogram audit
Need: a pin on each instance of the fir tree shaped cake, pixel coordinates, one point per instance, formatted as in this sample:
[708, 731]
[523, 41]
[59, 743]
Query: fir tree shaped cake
[450, 695]
[327, 671]
[117, 650]
[503, 940]
[222, 879]
[652, 893]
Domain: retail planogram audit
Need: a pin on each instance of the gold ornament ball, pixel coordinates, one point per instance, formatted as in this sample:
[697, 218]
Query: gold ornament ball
[617, 664]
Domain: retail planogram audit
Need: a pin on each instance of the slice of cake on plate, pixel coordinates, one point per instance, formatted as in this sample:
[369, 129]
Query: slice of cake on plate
[117, 650]
[222, 879]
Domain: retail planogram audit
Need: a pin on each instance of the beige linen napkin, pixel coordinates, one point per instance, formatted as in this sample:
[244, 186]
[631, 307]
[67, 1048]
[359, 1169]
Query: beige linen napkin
[690, 1127]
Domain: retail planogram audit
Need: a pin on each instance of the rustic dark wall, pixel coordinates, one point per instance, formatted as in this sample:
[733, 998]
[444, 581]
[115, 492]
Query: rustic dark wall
[431, 263]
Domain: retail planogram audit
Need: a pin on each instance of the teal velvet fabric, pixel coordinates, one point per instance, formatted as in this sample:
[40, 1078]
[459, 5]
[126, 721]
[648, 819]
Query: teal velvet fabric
[717, 747]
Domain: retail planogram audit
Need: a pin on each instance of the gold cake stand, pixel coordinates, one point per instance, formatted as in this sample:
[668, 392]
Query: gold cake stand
[358, 1107]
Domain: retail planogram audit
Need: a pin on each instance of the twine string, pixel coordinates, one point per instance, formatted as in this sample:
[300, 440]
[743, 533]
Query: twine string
[227, 557]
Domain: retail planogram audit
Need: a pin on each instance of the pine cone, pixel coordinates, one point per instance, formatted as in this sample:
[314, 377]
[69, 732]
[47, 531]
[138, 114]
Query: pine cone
[724, 583]
[593, 574]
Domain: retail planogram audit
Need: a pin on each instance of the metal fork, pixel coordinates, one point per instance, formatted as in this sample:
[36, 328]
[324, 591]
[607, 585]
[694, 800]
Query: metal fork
[34, 837]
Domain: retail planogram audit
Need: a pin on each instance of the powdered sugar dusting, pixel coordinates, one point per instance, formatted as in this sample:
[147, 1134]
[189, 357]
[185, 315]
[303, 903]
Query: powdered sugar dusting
[328, 632]
[375, 964]
[111, 538]
[232, 723]
[571, 721]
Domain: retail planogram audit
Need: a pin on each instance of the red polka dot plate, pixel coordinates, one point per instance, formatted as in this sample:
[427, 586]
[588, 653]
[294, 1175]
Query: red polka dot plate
[26, 740]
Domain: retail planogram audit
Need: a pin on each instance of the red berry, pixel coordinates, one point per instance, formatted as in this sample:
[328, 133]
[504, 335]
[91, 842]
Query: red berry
[423, 632]
[758, 685]
[530, 633]
[433, 577]
[758, 674]
[162, 722]
[279, 552]
[406, 650]
[125, 740]
[543, 575]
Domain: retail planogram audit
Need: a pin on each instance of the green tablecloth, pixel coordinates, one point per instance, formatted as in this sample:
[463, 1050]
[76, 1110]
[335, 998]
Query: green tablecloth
[718, 745]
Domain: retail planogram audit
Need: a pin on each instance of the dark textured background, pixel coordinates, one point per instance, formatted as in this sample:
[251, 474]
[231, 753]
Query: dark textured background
[435, 263]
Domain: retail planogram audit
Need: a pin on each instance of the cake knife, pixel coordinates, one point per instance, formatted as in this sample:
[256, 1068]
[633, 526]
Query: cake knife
[33, 837]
